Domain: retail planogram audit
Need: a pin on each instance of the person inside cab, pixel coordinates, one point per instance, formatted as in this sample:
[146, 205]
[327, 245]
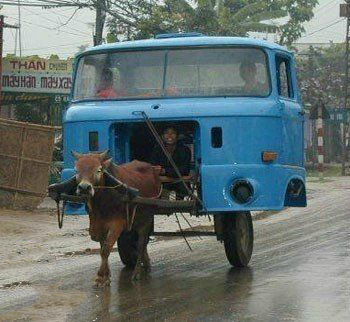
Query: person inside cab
[106, 89]
[181, 155]
[252, 86]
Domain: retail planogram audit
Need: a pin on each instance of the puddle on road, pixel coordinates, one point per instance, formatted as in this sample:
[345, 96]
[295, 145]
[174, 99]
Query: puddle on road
[50, 303]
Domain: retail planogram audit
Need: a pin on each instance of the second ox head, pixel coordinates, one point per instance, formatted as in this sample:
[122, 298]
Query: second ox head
[89, 169]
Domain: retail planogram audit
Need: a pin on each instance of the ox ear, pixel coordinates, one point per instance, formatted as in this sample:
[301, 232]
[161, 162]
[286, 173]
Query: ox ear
[106, 163]
[76, 155]
[104, 155]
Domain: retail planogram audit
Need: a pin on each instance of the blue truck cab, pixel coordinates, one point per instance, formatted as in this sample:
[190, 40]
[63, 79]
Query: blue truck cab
[235, 100]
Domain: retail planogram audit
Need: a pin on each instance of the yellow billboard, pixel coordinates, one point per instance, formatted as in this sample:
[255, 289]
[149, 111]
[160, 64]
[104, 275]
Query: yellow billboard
[36, 75]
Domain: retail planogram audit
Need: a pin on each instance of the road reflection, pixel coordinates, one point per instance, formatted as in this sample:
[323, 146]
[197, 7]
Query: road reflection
[173, 296]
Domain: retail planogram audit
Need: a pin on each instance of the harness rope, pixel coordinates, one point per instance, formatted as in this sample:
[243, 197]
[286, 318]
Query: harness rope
[127, 205]
[129, 222]
[108, 187]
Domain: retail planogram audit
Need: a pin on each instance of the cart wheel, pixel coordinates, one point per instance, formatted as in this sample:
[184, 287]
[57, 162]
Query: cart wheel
[127, 248]
[238, 238]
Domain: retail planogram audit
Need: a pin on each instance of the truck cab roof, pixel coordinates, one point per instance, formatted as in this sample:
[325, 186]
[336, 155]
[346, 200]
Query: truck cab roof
[185, 40]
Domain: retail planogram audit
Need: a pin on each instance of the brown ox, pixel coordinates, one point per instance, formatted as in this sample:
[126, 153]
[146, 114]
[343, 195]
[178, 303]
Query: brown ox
[107, 213]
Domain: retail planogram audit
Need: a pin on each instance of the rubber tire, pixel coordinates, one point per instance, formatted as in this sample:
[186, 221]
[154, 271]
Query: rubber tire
[127, 248]
[238, 238]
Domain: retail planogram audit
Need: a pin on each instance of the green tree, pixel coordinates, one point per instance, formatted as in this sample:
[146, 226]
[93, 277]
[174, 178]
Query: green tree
[54, 57]
[135, 19]
[321, 75]
[126, 14]
[213, 17]
[33, 112]
[299, 12]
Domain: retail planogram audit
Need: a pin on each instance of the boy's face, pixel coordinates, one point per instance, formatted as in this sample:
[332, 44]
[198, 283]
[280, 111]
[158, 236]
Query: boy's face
[106, 80]
[170, 136]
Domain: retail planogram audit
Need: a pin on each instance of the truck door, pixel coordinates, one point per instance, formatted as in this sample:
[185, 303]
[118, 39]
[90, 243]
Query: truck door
[292, 114]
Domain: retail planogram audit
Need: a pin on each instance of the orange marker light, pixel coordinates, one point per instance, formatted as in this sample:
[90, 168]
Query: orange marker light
[269, 156]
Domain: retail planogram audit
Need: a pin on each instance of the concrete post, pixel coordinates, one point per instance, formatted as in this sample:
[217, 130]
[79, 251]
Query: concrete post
[320, 140]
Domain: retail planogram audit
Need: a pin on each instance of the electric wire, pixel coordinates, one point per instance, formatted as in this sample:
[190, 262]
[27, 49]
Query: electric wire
[65, 16]
[69, 19]
[62, 55]
[62, 25]
[325, 5]
[53, 1]
[323, 28]
[48, 28]
[37, 4]
[49, 47]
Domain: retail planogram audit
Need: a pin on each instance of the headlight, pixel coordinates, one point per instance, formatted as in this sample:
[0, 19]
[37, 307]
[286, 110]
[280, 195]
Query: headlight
[242, 191]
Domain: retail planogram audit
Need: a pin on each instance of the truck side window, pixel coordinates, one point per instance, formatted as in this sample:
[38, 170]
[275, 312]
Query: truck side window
[284, 82]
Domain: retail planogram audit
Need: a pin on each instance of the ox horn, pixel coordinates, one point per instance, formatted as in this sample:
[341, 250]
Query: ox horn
[76, 154]
[104, 155]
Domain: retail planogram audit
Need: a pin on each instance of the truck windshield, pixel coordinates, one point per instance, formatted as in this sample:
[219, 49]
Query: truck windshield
[172, 73]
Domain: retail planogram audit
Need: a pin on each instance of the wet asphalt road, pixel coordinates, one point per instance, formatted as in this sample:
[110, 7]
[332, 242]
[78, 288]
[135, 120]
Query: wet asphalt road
[300, 271]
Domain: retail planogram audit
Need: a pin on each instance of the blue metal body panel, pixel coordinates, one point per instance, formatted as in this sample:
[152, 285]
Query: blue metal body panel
[249, 126]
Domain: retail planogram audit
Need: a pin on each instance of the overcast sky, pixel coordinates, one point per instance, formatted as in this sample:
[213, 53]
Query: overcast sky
[44, 32]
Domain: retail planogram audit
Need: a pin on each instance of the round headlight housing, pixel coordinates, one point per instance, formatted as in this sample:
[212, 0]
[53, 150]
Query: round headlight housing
[242, 191]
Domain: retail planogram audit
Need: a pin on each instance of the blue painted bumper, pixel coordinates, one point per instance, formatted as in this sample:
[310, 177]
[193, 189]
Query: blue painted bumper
[269, 182]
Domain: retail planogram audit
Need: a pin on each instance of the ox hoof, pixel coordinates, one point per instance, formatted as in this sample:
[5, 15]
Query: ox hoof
[102, 281]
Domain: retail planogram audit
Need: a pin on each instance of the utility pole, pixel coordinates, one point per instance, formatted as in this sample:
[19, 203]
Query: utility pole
[19, 30]
[2, 26]
[345, 12]
[100, 21]
[16, 37]
[320, 135]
